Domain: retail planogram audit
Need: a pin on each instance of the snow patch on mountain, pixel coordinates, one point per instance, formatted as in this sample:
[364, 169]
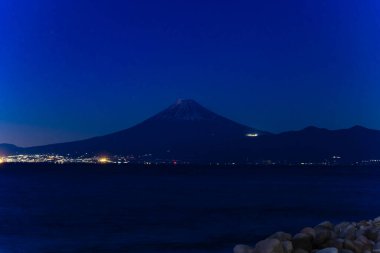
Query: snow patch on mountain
[186, 109]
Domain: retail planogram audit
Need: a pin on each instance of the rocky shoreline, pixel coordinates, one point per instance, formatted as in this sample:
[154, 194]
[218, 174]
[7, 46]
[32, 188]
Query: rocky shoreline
[345, 237]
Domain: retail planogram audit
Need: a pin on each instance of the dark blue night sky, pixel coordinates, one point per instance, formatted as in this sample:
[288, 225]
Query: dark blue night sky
[75, 69]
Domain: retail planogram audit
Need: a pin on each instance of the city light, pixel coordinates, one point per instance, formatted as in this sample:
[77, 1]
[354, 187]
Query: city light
[61, 159]
[252, 135]
[104, 160]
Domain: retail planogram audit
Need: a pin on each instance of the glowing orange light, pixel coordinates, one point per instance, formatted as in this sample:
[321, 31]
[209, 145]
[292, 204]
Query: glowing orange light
[103, 160]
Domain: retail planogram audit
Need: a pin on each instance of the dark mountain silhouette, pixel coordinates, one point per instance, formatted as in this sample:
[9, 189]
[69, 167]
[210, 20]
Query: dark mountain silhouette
[317, 144]
[188, 131]
[6, 149]
[185, 130]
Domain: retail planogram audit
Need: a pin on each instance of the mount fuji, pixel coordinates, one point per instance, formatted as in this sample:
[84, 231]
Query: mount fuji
[189, 132]
[185, 130]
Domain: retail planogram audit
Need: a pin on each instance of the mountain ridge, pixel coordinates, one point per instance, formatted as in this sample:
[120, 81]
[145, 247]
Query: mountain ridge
[188, 131]
[185, 129]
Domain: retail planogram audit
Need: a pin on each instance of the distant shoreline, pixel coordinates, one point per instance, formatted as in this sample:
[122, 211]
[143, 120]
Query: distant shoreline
[187, 166]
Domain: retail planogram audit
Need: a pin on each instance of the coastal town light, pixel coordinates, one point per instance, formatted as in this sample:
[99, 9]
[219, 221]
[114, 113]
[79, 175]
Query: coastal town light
[252, 135]
[103, 160]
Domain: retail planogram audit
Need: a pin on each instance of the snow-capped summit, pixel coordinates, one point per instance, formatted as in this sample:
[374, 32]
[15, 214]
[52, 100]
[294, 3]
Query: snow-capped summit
[184, 101]
[186, 109]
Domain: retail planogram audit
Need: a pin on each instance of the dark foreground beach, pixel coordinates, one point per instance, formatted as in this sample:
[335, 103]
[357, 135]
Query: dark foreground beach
[77, 208]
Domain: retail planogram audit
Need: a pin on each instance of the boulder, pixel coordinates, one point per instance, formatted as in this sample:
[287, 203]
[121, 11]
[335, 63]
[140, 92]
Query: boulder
[302, 241]
[326, 225]
[376, 248]
[340, 240]
[334, 243]
[345, 237]
[338, 243]
[322, 236]
[348, 244]
[359, 232]
[333, 235]
[372, 234]
[288, 246]
[309, 231]
[300, 251]
[364, 223]
[241, 248]
[366, 244]
[364, 240]
[341, 226]
[269, 246]
[361, 246]
[348, 233]
[345, 251]
[328, 250]
[282, 236]
[376, 222]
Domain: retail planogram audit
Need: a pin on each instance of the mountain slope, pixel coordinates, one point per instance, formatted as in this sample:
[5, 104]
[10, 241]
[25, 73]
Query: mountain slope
[188, 131]
[9, 149]
[314, 144]
[185, 130]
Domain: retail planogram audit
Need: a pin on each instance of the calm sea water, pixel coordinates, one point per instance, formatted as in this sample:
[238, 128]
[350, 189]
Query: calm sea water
[119, 209]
